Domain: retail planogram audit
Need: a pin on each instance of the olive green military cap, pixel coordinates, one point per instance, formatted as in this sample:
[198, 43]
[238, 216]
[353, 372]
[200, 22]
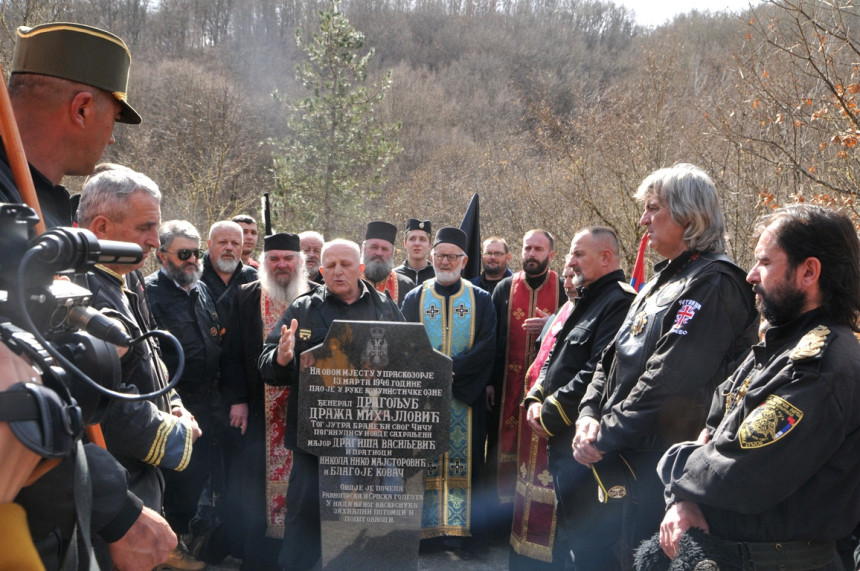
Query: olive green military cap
[79, 53]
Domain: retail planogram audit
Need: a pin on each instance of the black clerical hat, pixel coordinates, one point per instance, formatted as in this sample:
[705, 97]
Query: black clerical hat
[451, 235]
[79, 53]
[415, 224]
[381, 231]
[282, 241]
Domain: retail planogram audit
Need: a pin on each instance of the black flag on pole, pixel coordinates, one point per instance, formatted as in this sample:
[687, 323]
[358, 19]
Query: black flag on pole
[471, 225]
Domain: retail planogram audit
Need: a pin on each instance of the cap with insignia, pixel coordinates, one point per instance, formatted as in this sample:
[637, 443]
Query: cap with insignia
[415, 224]
[451, 235]
[282, 241]
[78, 53]
[381, 231]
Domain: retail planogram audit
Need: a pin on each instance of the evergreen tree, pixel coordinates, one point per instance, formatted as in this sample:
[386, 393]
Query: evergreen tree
[333, 159]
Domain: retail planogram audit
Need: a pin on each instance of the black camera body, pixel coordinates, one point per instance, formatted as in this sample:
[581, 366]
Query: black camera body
[36, 309]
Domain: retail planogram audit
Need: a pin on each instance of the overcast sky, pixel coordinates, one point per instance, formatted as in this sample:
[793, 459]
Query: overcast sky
[656, 12]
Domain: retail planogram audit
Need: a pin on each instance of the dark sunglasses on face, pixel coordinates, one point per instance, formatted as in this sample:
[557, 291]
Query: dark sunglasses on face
[184, 253]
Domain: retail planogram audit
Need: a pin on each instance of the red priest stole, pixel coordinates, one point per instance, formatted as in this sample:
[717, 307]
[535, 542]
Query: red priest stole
[533, 529]
[519, 355]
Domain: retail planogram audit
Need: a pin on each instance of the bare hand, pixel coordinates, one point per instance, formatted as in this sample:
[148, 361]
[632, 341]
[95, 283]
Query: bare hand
[584, 450]
[239, 416]
[287, 343]
[535, 324]
[186, 418]
[533, 418]
[147, 543]
[678, 519]
[491, 397]
[18, 460]
[703, 437]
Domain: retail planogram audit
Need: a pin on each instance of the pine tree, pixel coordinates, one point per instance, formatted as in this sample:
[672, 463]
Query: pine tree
[334, 157]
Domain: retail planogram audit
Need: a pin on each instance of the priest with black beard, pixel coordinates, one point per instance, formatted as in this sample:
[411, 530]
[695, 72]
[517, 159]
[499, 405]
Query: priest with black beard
[377, 255]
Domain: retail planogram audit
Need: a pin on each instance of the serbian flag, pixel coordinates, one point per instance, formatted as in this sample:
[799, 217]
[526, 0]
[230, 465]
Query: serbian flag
[637, 279]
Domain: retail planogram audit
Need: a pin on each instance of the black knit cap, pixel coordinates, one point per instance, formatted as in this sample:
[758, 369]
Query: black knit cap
[451, 235]
[381, 231]
[282, 241]
[415, 224]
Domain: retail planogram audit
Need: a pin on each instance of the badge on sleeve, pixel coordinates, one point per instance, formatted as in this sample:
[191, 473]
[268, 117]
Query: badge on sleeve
[685, 314]
[768, 422]
[304, 334]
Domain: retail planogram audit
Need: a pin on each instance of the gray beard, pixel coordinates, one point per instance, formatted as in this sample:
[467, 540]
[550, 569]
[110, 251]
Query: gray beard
[376, 271]
[283, 294]
[447, 277]
[226, 266]
[177, 274]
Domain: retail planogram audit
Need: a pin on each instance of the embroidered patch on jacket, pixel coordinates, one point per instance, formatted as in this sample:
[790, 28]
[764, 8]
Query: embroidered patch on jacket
[688, 310]
[770, 421]
[304, 334]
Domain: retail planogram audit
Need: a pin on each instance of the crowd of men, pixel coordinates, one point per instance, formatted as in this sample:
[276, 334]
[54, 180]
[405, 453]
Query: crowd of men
[711, 419]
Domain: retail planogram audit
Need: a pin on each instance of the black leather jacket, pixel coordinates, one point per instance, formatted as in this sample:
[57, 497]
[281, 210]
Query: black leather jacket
[564, 377]
[315, 311]
[191, 317]
[684, 334]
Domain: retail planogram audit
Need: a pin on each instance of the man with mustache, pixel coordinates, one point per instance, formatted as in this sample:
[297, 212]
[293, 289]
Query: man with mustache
[184, 307]
[257, 478]
[223, 270]
[495, 258]
[460, 321]
[377, 253]
[783, 431]
[312, 243]
[523, 303]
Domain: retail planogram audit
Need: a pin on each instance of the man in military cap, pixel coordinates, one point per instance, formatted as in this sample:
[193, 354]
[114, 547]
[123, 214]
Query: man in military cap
[377, 253]
[782, 436]
[417, 244]
[68, 87]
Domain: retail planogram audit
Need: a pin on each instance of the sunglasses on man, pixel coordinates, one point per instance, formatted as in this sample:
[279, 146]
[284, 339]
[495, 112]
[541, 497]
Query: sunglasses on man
[184, 253]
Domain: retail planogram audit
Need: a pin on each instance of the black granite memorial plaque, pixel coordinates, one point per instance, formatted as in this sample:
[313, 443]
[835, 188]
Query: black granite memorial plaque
[375, 406]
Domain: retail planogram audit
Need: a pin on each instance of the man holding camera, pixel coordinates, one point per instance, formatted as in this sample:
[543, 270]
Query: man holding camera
[67, 88]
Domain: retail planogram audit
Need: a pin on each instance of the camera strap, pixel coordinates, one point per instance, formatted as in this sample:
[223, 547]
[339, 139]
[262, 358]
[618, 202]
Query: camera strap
[80, 554]
[40, 419]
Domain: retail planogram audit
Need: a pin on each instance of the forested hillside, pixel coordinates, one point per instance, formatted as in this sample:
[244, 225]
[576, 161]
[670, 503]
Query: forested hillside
[552, 110]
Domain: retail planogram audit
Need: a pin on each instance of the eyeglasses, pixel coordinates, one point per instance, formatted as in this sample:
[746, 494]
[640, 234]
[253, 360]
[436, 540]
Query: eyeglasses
[495, 254]
[450, 257]
[184, 253]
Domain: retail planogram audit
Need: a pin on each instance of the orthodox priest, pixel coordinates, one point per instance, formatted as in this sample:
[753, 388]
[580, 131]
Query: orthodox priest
[460, 322]
[257, 479]
[571, 344]
[377, 255]
[523, 303]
